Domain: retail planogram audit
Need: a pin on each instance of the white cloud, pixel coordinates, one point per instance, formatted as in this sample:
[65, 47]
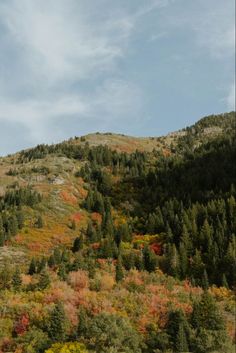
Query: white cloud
[52, 49]
[115, 100]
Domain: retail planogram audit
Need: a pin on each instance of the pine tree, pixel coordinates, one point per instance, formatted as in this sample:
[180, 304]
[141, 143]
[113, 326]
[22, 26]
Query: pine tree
[83, 322]
[16, 279]
[181, 340]
[173, 260]
[206, 314]
[57, 324]
[78, 244]
[41, 265]
[5, 276]
[32, 267]
[20, 219]
[205, 282]
[119, 270]
[183, 260]
[57, 256]
[44, 280]
[39, 222]
[224, 281]
[62, 272]
[149, 259]
[51, 261]
[13, 225]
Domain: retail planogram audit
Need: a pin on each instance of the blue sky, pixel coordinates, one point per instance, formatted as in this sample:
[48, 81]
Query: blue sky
[139, 67]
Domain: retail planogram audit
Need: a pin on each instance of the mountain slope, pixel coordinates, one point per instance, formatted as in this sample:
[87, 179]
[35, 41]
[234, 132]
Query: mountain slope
[105, 221]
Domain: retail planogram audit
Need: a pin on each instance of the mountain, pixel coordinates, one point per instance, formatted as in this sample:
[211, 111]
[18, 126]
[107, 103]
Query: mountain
[93, 225]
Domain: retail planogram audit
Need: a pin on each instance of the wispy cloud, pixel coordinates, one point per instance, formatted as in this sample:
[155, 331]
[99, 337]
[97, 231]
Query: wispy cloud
[64, 63]
[60, 59]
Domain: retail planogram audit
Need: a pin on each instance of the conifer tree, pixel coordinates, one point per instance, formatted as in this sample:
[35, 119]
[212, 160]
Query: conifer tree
[57, 324]
[62, 272]
[39, 222]
[44, 280]
[181, 340]
[16, 279]
[78, 244]
[224, 281]
[32, 267]
[119, 270]
[205, 281]
[149, 259]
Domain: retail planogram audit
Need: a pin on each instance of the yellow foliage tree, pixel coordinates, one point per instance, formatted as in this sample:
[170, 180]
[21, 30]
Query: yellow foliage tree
[69, 347]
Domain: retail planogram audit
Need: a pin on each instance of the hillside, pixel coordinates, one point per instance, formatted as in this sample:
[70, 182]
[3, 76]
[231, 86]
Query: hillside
[92, 226]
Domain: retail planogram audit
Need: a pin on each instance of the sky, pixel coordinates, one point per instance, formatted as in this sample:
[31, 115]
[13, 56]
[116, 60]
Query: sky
[138, 67]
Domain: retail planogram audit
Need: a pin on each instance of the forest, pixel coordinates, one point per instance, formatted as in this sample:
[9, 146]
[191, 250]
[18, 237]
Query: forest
[121, 251]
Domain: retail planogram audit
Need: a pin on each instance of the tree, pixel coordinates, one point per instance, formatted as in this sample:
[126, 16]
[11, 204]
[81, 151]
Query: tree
[44, 280]
[181, 340]
[16, 279]
[78, 244]
[83, 322]
[62, 272]
[39, 222]
[224, 281]
[149, 259]
[178, 330]
[173, 261]
[111, 333]
[68, 347]
[119, 270]
[32, 267]
[206, 314]
[205, 282]
[5, 276]
[57, 323]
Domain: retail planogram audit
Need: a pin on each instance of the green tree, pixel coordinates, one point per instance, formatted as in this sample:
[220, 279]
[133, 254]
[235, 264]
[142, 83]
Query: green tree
[32, 267]
[44, 280]
[57, 323]
[78, 244]
[16, 279]
[111, 333]
[149, 259]
[181, 340]
[119, 270]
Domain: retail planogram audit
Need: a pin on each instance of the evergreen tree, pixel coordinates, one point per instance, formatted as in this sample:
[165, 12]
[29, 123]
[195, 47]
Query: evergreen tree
[39, 222]
[205, 282]
[16, 279]
[32, 267]
[51, 261]
[62, 272]
[13, 225]
[181, 340]
[44, 280]
[119, 270]
[57, 324]
[5, 276]
[149, 259]
[78, 244]
[224, 281]
[206, 314]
